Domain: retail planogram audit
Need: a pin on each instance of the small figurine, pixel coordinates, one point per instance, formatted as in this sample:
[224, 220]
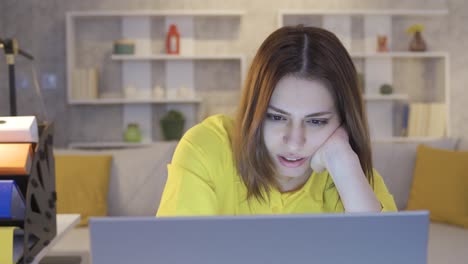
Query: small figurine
[158, 92]
[382, 43]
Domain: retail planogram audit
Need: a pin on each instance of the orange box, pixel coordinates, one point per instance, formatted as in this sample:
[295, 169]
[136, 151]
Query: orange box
[15, 158]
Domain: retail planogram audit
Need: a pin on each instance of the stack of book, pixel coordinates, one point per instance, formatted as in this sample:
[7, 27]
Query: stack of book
[18, 136]
[425, 120]
[85, 83]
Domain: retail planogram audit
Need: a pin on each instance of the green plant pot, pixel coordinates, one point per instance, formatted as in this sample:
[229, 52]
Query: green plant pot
[386, 89]
[132, 134]
[172, 129]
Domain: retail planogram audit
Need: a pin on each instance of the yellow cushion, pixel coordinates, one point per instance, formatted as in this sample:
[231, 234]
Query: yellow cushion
[82, 184]
[440, 185]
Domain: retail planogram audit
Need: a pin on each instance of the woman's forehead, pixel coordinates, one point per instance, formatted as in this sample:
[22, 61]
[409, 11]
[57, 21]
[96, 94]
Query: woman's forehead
[294, 94]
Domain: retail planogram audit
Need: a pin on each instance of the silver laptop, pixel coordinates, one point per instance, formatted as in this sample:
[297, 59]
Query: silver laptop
[371, 238]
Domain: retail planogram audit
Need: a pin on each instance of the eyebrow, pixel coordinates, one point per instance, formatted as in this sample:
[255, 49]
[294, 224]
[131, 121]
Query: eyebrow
[309, 115]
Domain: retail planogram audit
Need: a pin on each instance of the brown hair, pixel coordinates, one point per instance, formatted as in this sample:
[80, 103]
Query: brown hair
[305, 52]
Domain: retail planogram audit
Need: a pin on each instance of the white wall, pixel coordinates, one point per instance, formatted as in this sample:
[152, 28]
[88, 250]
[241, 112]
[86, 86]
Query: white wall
[47, 31]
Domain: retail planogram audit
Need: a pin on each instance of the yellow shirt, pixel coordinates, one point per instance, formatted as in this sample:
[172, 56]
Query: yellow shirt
[203, 180]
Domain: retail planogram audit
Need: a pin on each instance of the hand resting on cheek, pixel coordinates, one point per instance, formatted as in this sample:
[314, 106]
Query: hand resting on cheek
[335, 145]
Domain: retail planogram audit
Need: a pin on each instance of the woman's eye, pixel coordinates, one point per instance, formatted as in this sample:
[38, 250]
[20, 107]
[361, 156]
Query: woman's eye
[317, 122]
[275, 117]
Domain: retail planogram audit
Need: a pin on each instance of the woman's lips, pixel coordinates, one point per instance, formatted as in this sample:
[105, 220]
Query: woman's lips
[291, 164]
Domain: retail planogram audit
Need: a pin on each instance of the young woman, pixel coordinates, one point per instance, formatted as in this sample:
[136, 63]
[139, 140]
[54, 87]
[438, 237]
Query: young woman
[300, 142]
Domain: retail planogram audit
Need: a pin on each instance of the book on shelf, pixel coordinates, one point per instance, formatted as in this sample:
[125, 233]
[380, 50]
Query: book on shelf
[12, 205]
[437, 120]
[427, 120]
[85, 83]
[405, 120]
[15, 158]
[13, 239]
[413, 115]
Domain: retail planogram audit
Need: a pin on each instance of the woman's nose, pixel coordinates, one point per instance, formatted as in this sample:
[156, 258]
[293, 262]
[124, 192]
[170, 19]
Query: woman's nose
[295, 136]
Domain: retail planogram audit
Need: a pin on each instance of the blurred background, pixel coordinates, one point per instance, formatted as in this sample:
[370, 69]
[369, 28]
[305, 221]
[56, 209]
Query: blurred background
[217, 42]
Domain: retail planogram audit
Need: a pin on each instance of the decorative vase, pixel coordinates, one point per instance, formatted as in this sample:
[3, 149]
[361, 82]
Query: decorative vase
[382, 44]
[158, 92]
[173, 40]
[130, 91]
[133, 133]
[417, 43]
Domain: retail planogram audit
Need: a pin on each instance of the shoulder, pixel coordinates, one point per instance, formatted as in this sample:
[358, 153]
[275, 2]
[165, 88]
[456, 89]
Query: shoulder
[207, 141]
[217, 127]
[220, 125]
[205, 150]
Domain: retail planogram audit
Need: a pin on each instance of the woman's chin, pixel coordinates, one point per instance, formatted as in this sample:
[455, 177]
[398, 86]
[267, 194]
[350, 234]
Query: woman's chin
[294, 172]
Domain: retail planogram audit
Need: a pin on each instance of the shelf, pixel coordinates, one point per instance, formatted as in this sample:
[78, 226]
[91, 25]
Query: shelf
[406, 139]
[111, 145]
[391, 12]
[156, 13]
[177, 57]
[401, 54]
[102, 145]
[137, 70]
[117, 144]
[389, 97]
[133, 101]
[408, 68]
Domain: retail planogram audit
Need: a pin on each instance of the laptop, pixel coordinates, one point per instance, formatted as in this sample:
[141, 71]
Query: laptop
[364, 238]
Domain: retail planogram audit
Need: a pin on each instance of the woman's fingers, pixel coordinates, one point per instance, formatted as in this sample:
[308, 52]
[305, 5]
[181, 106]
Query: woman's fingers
[316, 163]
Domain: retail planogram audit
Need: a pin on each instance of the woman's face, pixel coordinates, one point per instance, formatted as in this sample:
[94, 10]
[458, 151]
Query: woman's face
[300, 117]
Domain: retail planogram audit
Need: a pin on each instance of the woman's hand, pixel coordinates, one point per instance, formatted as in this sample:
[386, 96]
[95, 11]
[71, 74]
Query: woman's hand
[334, 148]
[337, 156]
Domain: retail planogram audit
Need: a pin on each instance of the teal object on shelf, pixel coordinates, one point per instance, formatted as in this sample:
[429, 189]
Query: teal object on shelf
[124, 47]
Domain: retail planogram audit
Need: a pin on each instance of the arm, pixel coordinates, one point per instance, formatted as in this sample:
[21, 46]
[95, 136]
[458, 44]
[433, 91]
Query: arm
[337, 156]
[355, 191]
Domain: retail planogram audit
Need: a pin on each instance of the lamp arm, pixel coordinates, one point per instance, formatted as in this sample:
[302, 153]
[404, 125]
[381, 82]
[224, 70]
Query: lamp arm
[11, 47]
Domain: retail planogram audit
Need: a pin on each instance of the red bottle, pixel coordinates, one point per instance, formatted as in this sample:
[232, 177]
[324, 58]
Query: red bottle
[172, 40]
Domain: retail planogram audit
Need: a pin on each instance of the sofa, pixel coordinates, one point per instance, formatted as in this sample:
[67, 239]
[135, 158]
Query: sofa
[138, 176]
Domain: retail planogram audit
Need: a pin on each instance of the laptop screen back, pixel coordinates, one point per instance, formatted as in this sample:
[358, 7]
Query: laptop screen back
[323, 238]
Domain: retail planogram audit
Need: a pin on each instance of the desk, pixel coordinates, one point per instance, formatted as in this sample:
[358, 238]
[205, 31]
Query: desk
[65, 223]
